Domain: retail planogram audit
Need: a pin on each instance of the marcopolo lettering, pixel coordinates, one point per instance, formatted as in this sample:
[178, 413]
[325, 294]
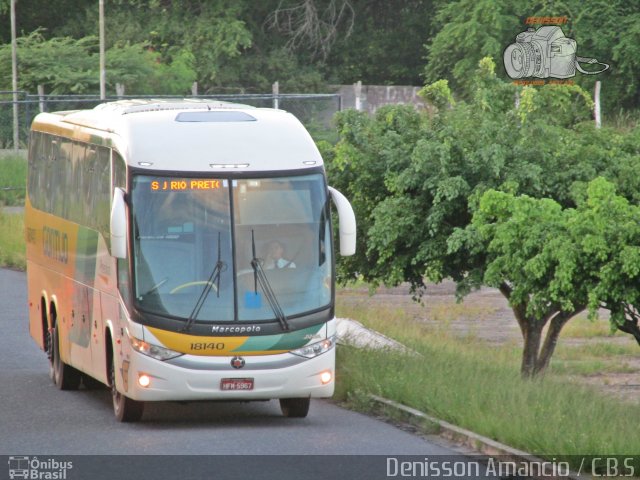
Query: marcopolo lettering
[238, 329]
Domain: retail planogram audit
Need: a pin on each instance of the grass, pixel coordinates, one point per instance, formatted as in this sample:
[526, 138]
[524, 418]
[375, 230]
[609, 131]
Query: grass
[13, 177]
[594, 357]
[589, 367]
[478, 386]
[546, 418]
[597, 349]
[582, 327]
[12, 246]
[447, 312]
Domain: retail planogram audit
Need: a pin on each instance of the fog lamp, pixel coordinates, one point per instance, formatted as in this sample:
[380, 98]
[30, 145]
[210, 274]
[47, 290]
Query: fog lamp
[326, 377]
[144, 380]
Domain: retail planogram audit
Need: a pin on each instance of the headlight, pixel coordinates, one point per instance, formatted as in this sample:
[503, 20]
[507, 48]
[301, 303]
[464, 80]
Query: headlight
[315, 349]
[153, 351]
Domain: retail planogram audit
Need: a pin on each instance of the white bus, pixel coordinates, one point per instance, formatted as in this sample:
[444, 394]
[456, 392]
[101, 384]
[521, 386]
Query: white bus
[182, 250]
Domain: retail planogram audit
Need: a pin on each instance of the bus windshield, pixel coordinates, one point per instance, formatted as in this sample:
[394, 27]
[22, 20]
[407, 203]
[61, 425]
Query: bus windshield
[200, 247]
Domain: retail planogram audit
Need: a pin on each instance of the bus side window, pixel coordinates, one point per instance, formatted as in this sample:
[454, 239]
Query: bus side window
[76, 207]
[36, 163]
[60, 198]
[87, 191]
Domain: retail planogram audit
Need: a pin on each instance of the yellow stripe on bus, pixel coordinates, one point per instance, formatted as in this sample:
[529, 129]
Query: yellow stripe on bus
[205, 346]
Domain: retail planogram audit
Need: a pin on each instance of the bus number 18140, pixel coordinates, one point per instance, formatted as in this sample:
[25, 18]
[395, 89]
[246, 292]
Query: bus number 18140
[207, 346]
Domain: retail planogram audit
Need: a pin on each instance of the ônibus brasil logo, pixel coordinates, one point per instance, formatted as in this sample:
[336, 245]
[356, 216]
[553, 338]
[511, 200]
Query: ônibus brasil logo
[37, 469]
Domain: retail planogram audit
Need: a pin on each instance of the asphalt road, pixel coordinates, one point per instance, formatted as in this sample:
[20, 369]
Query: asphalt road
[37, 419]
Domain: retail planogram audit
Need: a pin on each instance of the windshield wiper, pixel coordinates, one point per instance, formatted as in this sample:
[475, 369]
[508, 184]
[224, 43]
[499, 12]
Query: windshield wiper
[260, 277]
[219, 267]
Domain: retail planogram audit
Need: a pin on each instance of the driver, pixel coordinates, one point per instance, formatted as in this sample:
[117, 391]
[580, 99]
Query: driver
[275, 257]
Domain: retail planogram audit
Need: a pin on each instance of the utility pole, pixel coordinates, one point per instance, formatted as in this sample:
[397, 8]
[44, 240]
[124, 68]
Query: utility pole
[596, 105]
[14, 77]
[103, 72]
[275, 91]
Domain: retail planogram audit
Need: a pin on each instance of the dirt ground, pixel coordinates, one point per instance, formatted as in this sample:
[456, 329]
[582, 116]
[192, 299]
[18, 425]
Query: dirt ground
[486, 316]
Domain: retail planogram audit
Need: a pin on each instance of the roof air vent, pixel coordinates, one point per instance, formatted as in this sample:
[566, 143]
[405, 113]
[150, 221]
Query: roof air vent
[215, 116]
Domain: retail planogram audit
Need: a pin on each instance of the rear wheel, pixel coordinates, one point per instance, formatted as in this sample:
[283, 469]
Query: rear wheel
[64, 376]
[295, 407]
[124, 408]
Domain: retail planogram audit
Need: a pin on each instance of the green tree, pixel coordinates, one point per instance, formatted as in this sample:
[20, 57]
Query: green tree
[199, 35]
[231, 46]
[607, 232]
[552, 263]
[416, 179]
[62, 65]
[65, 65]
[140, 70]
[211, 31]
[364, 165]
[32, 15]
[609, 30]
[529, 259]
[471, 30]
[243, 44]
[384, 44]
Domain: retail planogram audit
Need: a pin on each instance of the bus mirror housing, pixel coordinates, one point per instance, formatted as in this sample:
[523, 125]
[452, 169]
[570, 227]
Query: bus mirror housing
[347, 223]
[118, 225]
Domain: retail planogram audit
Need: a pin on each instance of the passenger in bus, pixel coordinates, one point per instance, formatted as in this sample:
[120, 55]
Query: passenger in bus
[275, 256]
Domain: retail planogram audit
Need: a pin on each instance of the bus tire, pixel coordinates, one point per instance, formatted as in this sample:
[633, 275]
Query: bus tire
[124, 408]
[295, 407]
[64, 376]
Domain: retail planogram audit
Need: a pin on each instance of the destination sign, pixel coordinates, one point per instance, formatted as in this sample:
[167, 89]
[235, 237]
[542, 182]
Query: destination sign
[184, 184]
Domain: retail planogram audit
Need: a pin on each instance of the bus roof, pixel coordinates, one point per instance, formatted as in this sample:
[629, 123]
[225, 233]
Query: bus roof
[190, 135]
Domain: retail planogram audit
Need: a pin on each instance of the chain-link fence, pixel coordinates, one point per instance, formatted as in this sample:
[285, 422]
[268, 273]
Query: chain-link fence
[315, 111]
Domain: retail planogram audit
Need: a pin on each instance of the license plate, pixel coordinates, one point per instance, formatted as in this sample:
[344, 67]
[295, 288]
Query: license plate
[236, 384]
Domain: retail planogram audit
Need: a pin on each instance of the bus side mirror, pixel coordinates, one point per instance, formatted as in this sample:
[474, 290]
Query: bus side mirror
[118, 225]
[347, 223]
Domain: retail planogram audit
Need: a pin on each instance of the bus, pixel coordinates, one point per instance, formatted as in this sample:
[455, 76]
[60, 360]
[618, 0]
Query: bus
[151, 229]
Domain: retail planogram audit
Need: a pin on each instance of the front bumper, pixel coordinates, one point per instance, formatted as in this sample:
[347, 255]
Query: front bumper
[199, 378]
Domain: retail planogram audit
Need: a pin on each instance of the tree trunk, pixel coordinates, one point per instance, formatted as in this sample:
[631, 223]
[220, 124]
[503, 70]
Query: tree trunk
[518, 310]
[551, 341]
[631, 327]
[535, 360]
[532, 335]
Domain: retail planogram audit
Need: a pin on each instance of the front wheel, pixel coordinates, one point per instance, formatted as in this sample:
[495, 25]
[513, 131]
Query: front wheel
[124, 408]
[295, 407]
[64, 376]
